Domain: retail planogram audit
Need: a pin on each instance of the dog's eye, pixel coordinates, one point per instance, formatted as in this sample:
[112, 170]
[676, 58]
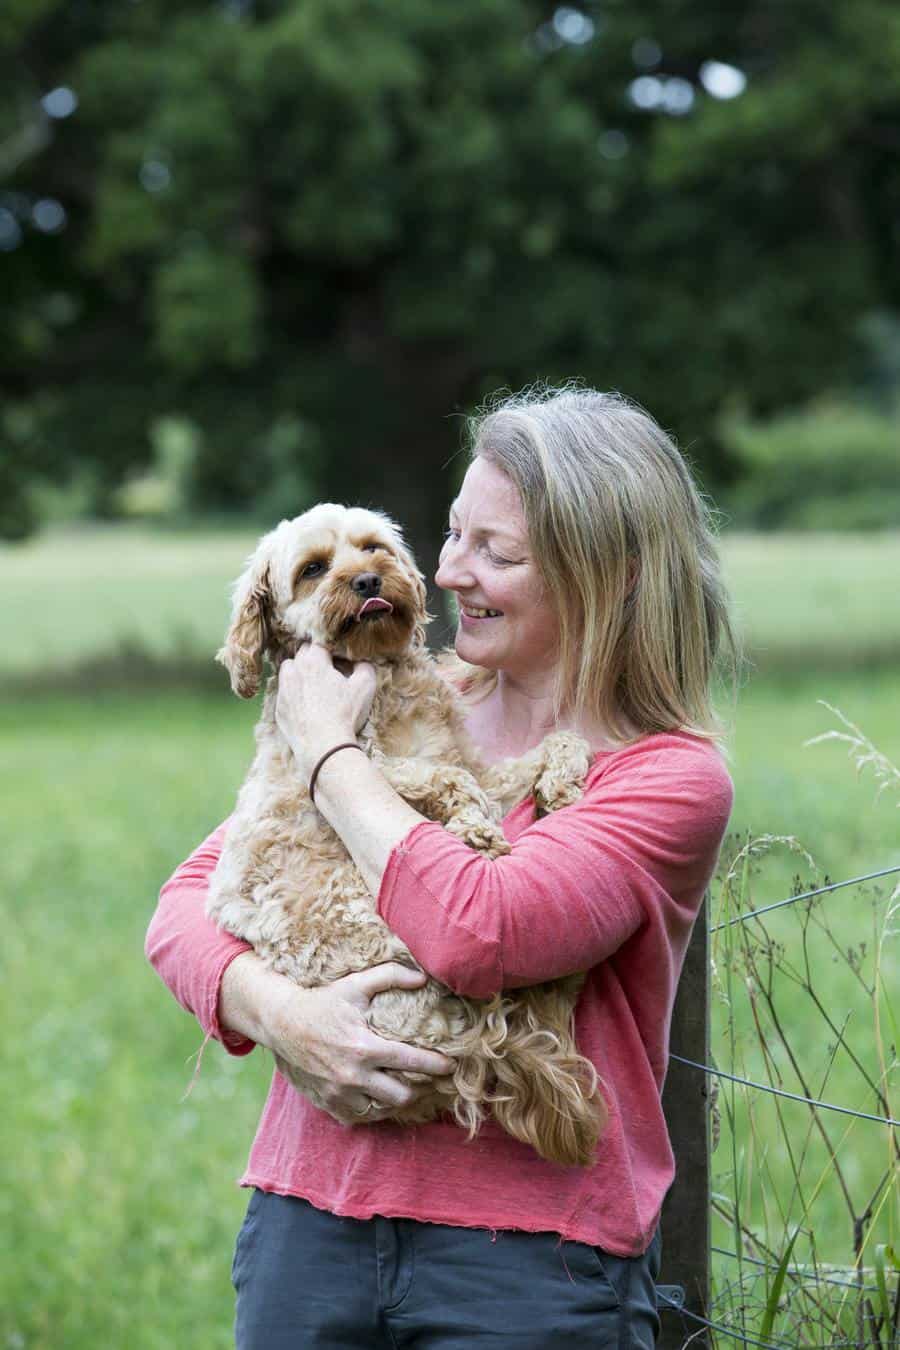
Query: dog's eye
[371, 548]
[312, 569]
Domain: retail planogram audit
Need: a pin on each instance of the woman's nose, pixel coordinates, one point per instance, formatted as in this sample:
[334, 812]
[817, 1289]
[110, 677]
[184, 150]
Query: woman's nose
[452, 572]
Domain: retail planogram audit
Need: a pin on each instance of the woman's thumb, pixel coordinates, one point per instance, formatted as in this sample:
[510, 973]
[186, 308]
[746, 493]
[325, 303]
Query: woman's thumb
[390, 975]
[362, 683]
[362, 675]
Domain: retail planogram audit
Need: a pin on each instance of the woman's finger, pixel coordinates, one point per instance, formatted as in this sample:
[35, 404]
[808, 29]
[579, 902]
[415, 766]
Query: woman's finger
[361, 685]
[362, 675]
[397, 1055]
[388, 1091]
[389, 975]
[314, 654]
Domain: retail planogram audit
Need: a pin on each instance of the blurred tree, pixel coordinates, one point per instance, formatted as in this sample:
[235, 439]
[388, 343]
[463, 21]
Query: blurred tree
[318, 230]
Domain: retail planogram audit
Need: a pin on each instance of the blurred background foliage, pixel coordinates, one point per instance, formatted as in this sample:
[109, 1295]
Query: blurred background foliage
[256, 252]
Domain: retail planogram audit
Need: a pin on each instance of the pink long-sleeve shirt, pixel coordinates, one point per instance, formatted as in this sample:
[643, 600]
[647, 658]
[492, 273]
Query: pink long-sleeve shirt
[612, 886]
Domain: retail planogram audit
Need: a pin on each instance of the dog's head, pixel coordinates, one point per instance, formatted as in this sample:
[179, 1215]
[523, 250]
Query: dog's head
[337, 575]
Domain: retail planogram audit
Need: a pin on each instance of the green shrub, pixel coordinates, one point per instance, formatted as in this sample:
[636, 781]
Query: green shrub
[832, 466]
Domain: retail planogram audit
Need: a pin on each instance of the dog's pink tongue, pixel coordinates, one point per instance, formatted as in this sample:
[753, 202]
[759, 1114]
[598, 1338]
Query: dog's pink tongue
[373, 604]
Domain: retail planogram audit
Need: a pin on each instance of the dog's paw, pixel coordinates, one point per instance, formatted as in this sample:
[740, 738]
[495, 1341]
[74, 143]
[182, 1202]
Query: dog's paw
[566, 761]
[479, 833]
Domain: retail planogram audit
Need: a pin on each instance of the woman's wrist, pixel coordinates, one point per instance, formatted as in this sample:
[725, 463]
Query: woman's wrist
[251, 997]
[323, 760]
[308, 753]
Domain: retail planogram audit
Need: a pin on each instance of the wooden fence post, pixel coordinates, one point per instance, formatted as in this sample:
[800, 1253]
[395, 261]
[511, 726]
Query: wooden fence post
[685, 1216]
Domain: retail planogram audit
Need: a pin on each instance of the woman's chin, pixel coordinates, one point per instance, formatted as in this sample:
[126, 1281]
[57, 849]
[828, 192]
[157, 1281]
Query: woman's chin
[469, 649]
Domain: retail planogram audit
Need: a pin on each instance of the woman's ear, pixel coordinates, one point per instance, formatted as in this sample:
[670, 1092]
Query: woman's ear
[248, 636]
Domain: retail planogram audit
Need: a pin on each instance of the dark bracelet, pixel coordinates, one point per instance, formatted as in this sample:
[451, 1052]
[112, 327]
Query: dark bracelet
[344, 745]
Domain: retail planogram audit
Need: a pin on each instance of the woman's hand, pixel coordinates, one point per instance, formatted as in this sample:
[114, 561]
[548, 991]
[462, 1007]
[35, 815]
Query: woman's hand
[323, 1034]
[317, 706]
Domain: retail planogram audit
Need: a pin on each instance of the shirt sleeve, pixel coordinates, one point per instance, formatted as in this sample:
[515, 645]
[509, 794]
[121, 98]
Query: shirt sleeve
[639, 847]
[186, 949]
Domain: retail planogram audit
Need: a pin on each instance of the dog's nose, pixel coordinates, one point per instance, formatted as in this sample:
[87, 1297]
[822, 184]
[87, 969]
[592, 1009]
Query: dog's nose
[367, 584]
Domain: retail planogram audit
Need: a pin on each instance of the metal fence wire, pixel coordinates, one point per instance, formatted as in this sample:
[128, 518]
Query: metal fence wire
[734, 1335]
[797, 1275]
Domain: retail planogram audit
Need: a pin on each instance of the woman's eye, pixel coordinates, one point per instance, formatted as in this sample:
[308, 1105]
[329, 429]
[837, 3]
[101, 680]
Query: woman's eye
[371, 548]
[313, 569]
[450, 533]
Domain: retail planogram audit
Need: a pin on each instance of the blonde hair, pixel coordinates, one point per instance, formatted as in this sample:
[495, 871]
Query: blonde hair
[625, 545]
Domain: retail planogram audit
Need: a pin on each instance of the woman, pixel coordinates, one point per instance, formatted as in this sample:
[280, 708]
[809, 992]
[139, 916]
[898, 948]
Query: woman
[581, 561]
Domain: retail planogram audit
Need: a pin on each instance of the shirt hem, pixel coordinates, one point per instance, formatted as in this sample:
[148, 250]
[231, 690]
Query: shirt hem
[494, 1222]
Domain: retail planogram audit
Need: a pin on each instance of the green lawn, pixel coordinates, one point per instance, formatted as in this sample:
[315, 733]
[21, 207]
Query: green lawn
[810, 600]
[70, 594]
[802, 600]
[117, 1204]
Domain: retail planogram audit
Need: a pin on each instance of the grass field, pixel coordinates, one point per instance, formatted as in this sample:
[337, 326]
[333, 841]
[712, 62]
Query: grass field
[808, 601]
[802, 601]
[73, 593]
[117, 1201]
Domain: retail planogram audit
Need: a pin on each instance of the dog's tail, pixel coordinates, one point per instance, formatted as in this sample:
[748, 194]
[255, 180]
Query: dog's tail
[520, 1060]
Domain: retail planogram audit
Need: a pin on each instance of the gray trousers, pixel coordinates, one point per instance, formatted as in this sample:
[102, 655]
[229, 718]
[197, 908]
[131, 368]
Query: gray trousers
[305, 1277]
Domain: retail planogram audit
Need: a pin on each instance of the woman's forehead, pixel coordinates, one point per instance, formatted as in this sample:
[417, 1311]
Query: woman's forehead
[490, 502]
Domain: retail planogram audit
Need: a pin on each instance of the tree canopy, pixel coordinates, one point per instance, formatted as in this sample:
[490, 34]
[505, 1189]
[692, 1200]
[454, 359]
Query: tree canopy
[316, 232]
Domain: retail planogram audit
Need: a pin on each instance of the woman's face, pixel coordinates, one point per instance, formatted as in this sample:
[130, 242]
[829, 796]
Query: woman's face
[506, 619]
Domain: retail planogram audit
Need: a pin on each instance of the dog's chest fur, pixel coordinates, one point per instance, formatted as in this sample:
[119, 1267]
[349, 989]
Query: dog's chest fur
[415, 715]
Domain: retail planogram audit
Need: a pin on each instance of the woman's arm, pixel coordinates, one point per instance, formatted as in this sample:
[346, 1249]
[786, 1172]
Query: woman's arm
[640, 847]
[238, 1000]
[187, 951]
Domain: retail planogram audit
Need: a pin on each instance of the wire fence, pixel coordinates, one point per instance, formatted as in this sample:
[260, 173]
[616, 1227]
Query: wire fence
[805, 895]
[766, 1087]
[796, 1276]
[820, 1279]
[782, 1092]
[733, 1334]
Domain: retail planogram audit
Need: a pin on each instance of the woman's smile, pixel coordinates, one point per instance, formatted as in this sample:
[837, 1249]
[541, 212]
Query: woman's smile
[472, 614]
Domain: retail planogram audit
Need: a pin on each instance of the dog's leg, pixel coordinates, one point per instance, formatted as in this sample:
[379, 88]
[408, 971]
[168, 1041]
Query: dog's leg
[452, 797]
[512, 780]
[553, 773]
[567, 758]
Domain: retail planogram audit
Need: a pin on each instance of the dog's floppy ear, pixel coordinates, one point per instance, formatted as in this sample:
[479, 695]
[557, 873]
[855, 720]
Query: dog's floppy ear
[248, 636]
[406, 558]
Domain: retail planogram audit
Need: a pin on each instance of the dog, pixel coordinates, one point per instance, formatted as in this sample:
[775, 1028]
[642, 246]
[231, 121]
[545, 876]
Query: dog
[285, 882]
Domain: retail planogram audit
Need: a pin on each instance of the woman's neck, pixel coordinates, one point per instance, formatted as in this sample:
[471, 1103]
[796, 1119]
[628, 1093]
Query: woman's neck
[514, 717]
